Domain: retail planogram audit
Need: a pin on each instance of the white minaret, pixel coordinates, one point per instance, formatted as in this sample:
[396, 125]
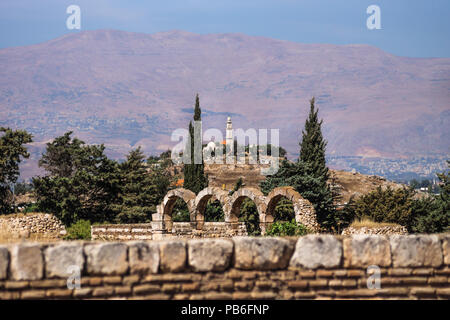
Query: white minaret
[229, 134]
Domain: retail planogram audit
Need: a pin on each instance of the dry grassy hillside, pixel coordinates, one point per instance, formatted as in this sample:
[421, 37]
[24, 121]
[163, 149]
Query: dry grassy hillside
[358, 184]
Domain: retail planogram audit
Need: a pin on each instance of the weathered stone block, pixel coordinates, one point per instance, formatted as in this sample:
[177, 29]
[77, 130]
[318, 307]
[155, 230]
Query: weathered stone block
[106, 258]
[62, 260]
[27, 262]
[146, 288]
[143, 257]
[172, 256]
[210, 255]
[262, 253]
[315, 251]
[446, 249]
[365, 250]
[4, 262]
[82, 292]
[33, 294]
[416, 251]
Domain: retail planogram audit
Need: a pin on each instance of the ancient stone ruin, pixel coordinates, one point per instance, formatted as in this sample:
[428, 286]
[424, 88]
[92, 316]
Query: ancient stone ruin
[162, 225]
[381, 230]
[24, 226]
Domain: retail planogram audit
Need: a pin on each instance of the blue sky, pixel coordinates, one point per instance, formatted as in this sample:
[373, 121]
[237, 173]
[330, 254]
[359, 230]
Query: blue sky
[415, 28]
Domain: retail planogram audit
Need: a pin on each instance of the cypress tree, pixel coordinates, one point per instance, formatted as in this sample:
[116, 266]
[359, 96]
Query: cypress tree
[312, 156]
[138, 193]
[194, 174]
[309, 174]
[313, 145]
[197, 110]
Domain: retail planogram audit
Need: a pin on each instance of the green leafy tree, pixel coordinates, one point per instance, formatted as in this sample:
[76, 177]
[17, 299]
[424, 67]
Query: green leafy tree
[385, 205]
[313, 145]
[249, 214]
[431, 214]
[138, 195]
[214, 211]
[64, 156]
[266, 149]
[21, 188]
[160, 175]
[83, 185]
[312, 153]
[427, 214]
[284, 210]
[297, 175]
[180, 211]
[12, 151]
[194, 174]
[309, 175]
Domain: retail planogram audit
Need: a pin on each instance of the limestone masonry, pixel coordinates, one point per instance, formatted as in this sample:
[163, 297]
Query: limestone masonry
[311, 267]
[25, 225]
[144, 231]
[383, 230]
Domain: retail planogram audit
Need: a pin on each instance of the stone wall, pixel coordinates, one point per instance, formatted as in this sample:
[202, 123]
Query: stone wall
[311, 267]
[27, 225]
[144, 231]
[141, 231]
[208, 230]
[382, 230]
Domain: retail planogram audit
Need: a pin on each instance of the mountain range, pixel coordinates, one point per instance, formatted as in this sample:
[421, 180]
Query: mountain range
[126, 89]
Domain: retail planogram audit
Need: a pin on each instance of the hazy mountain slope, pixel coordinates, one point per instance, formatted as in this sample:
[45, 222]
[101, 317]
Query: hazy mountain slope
[126, 89]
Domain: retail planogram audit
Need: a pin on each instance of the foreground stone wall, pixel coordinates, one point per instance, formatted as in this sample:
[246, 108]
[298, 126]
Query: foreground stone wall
[144, 231]
[26, 225]
[312, 267]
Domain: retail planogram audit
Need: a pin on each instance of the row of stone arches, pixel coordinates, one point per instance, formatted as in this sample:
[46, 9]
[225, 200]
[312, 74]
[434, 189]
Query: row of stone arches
[196, 204]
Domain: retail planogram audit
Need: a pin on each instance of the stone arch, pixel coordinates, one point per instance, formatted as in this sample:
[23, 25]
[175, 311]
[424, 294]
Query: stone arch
[236, 199]
[303, 209]
[210, 193]
[168, 203]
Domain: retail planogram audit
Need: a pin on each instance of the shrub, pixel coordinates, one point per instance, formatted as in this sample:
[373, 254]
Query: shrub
[429, 215]
[286, 228]
[80, 230]
[385, 205]
[367, 223]
[32, 207]
[249, 214]
[214, 211]
[180, 211]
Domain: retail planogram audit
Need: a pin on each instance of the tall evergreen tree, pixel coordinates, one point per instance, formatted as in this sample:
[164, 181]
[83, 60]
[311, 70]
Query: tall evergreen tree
[312, 154]
[309, 174]
[432, 214]
[313, 145]
[64, 156]
[194, 174]
[137, 197]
